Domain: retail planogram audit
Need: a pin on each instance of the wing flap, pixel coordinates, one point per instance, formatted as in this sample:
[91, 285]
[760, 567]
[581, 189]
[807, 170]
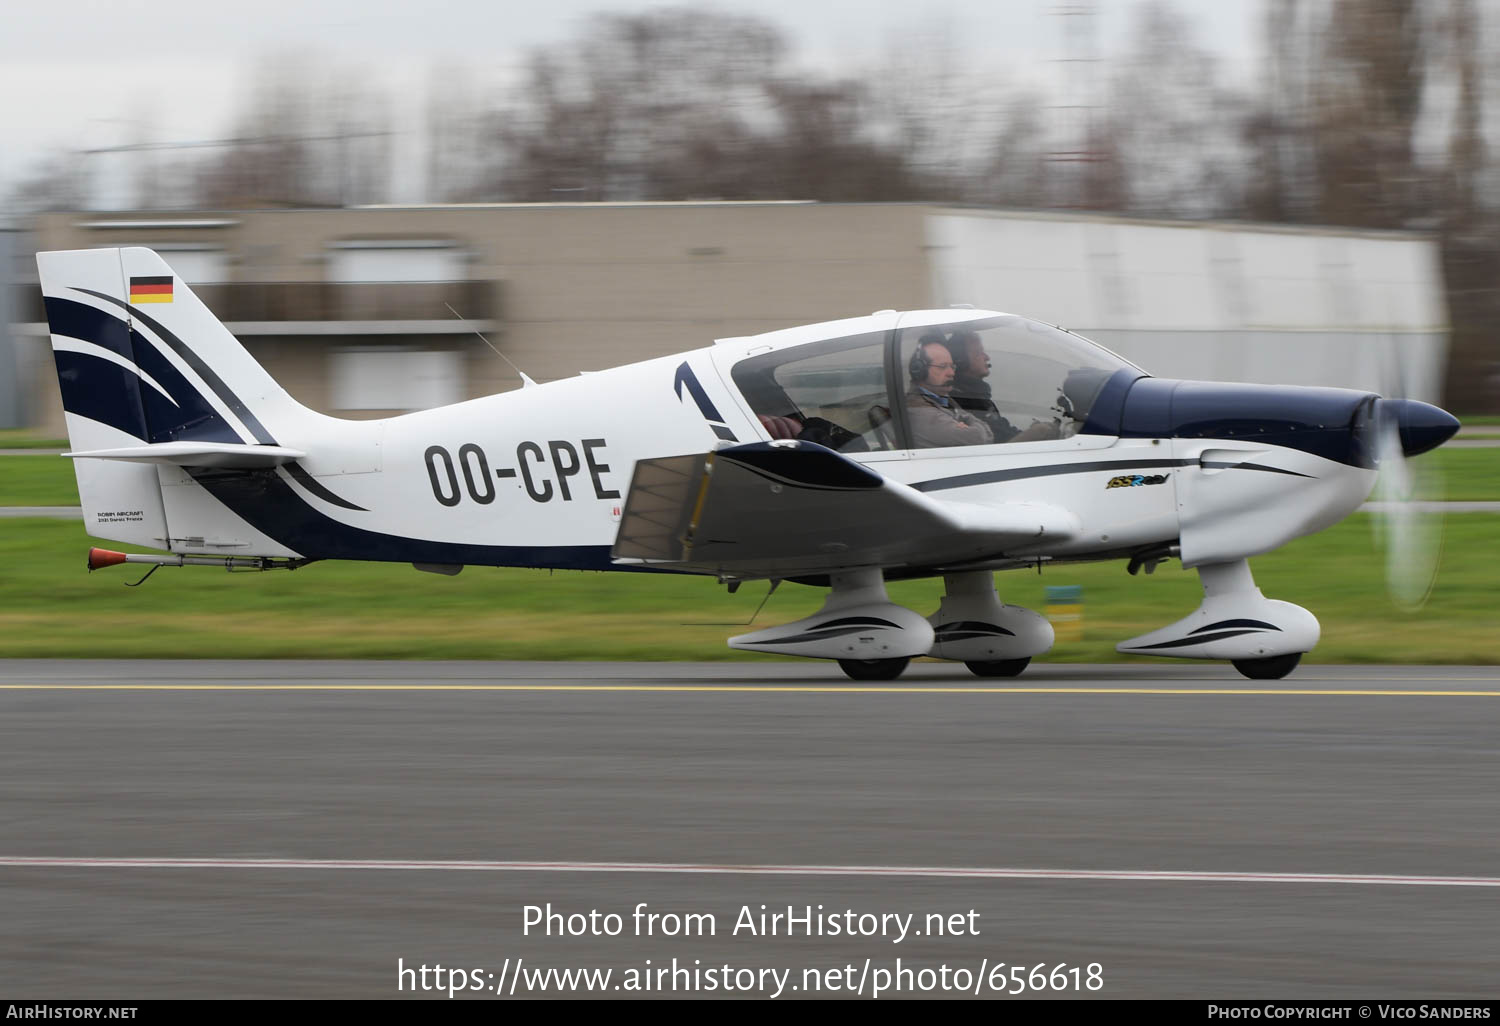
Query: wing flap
[790, 508]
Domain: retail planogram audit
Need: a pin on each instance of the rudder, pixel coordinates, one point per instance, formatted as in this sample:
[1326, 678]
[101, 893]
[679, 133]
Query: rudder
[101, 383]
[141, 360]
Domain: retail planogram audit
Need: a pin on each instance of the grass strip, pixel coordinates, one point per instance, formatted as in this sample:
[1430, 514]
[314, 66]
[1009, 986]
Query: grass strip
[37, 481]
[51, 607]
[25, 438]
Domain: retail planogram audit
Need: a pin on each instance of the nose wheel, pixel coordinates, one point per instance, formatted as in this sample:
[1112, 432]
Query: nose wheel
[998, 667]
[873, 669]
[1270, 668]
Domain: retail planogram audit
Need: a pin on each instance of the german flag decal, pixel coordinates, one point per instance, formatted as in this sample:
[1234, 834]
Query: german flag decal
[151, 289]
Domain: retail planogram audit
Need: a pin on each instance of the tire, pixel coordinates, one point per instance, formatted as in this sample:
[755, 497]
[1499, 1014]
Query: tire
[1270, 668]
[998, 667]
[873, 669]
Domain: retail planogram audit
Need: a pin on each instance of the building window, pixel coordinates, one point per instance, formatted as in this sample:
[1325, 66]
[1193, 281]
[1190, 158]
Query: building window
[390, 378]
[396, 260]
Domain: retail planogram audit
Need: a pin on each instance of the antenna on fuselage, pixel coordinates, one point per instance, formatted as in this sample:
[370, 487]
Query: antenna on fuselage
[734, 586]
[526, 382]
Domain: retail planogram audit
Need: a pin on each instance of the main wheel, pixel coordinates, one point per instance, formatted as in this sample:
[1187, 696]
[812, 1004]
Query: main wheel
[873, 669]
[998, 667]
[1269, 668]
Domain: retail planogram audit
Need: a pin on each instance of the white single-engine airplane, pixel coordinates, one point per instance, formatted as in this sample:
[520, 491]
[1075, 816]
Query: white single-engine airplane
[947, 443]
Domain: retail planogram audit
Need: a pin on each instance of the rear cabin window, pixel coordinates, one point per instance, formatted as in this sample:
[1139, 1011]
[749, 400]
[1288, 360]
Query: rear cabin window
[833, 393]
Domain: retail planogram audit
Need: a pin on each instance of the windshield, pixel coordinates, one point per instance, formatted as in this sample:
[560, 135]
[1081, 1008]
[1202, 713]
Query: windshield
[976, 382]
[999, 380]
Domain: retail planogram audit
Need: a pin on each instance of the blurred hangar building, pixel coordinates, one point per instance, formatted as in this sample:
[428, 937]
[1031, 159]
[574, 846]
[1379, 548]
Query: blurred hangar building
[13, 385]
[365, 312]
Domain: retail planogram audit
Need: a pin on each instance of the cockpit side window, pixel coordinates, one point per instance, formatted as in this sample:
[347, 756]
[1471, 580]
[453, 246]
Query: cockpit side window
[833, 393]
[999, 380]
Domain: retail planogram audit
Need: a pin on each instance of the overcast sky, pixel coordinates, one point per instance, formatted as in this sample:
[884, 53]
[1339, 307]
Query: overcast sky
[87, 74]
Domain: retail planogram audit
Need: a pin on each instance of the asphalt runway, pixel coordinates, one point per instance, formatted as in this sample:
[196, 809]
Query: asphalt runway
[307, 829]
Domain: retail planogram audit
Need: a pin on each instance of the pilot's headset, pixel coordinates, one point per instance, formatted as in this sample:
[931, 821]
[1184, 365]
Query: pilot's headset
[921, 363]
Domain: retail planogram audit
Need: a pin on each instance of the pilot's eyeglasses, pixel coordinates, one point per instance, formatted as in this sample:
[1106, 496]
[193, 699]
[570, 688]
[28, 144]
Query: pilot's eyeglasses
[941, 366]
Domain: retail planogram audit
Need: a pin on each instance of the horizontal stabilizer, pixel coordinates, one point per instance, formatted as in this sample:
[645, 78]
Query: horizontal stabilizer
[790, 507]
[231, 455]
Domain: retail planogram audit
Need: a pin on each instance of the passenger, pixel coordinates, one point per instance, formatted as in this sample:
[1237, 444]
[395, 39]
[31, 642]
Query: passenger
[936, 420]
[973, 394]
[970, 391]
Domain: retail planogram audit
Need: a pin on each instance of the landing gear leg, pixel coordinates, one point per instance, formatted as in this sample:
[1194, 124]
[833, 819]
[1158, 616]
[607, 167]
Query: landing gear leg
[974, 627]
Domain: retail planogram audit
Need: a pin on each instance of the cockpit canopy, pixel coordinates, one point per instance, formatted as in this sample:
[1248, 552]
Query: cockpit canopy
[975, 381]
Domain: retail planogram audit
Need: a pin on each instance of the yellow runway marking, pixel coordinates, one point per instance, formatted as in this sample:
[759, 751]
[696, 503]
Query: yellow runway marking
[832, 689]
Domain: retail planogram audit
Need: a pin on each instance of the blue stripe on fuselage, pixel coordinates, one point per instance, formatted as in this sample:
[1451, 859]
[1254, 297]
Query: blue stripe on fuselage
[266, 502]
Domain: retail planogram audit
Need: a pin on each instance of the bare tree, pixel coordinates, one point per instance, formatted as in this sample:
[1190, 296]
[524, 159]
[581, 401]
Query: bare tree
[1459, 41]
[309, 135]
[56, 182]
[821, 148]
[1277, 129]
[939, 105]
[1171, 123]
[459, 137]
[642, 106]
[1367, 98]
[1018, 171]
[1470, 225]
[688, 104]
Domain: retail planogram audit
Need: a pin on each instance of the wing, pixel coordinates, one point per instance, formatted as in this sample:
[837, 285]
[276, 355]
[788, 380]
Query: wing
[789, 508]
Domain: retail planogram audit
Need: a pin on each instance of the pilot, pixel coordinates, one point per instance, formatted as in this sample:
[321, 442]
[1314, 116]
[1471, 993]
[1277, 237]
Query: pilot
[936, 420]
[974, 395]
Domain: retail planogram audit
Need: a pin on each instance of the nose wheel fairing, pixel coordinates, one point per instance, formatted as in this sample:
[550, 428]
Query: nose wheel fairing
[1235, 622]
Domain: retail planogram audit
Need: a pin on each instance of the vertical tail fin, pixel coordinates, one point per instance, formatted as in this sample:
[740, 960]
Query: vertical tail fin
[141, 360]
[145, 356]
